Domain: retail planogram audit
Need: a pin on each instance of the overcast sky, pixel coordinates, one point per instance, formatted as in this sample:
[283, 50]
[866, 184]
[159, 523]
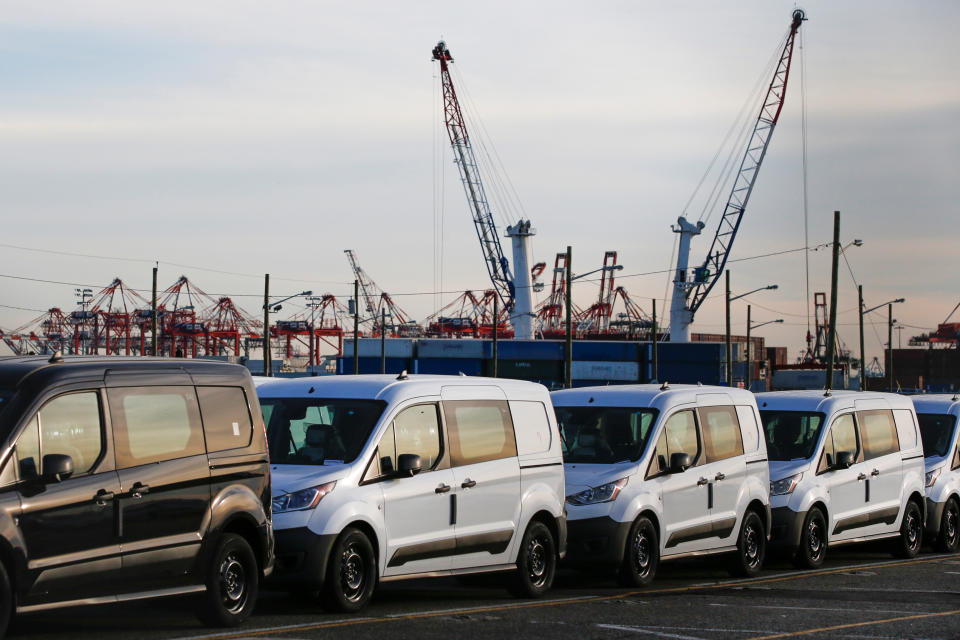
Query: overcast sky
[269, 137]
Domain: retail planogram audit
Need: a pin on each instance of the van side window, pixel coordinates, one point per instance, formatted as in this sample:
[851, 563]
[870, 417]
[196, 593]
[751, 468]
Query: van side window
[415, 430]
[535, 436]
[152, 424]
[879, 433]
[226, 418]
[721, 433]
[906, 427]
[956, 458]
[479, 430]
[679, 435]
[69, 424]
[842, 436]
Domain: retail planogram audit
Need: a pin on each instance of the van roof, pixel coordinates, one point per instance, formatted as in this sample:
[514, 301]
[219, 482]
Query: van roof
[384, 387]
[811, 400]
[643, 395]
[937, 403]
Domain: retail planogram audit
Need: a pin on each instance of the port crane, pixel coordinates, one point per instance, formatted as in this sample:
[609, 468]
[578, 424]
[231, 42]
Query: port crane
[515, 287]
[376, 301]
[690, 293]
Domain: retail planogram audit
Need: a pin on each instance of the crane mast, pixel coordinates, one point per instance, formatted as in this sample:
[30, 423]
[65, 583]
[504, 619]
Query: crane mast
[689, 294]
[517, 296]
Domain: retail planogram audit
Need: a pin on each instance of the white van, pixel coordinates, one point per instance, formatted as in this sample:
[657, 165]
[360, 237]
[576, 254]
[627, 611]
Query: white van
[657, 472]
[845, 466]
[379, 478]
[937, 415]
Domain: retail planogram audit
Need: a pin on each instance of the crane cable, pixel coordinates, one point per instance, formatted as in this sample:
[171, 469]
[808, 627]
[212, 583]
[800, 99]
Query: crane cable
[803, 195]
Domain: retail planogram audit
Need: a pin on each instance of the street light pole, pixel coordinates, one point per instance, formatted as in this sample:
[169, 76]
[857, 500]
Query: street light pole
[267, 368]
[356, 327]
[890, 347]
[863, 362]
[568, 346]
[653, 340]
[729, 349]
[749, 364]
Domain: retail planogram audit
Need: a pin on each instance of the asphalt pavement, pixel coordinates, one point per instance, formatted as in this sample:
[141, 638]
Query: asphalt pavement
[861, 592]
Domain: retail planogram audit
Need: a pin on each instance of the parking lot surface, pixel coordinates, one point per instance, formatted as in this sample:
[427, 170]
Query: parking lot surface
[860, 593]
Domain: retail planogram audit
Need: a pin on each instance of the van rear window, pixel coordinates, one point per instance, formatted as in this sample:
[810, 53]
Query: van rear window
[318, 431]
[602, 435]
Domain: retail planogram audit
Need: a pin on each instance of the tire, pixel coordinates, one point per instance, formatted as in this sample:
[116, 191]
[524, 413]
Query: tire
[536, 562]
[641, 555]
[351, 573]
[948, 540]
[813, 541]
[233, 581]
[6, 600]
[751, 547]
[911, 532]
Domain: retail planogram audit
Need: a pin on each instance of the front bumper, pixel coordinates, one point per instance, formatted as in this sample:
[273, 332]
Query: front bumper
[301, 558]
[787, 527]
[597, 541]
[934, 516]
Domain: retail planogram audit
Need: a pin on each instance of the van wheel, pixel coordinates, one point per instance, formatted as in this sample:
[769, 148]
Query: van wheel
[751, 546]
[6, 600]
[233, 581]
[911, 532]
[641, 556]
[351, 573]
[536, 562]
[948, 541]
[813, 541]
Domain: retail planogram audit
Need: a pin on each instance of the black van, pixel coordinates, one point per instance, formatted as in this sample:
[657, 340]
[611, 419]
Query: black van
[128, 478]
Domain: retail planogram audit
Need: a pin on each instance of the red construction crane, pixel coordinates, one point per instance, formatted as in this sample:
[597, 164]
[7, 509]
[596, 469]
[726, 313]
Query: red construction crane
[321, 323]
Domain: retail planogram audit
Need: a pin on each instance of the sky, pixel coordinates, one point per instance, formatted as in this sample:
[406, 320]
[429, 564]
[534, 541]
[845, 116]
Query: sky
[243, 138]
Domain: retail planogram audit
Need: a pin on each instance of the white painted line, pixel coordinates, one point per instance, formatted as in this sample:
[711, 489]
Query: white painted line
[659, 634]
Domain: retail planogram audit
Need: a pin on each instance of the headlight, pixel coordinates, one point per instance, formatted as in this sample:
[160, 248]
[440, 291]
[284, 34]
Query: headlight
[303, 499]
[595, 495]
[931, 477]
[785, 486]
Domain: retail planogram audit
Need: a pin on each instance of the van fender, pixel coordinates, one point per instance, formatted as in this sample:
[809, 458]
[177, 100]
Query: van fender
[233, 499]
[357, 511]
[913, 482]
[645, 500]
[539, 496]
[753, 489]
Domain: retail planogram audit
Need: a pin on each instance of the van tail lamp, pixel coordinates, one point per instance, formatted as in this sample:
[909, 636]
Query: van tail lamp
[301, 500]
[595, 495]
[785, 486]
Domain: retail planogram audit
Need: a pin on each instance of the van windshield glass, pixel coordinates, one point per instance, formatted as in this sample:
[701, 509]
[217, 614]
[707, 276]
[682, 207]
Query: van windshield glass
[318, 431]
[936, 429]
[791, 435]
[602, 435]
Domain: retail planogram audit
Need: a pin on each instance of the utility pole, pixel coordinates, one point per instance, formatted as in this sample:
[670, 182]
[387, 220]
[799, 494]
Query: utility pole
[153, 316]
[383, 339]
[890, 347]
[267, 367]
[749, 364]
[496, 323]
[568, 346]
[356, 327]
[832, 332]
[729, 348]
[863, 362]
[653, 340]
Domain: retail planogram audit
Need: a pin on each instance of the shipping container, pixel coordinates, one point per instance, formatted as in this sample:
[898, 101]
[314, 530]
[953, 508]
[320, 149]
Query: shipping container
[450, 367]
[370, 348]
[605, 371]
[372, 365]
[530, 349]
[597, 350]
[466, 348]
[534, 370]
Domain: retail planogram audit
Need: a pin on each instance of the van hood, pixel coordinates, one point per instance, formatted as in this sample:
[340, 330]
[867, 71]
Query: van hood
[287, 478]
[580, 476]
[780, 469]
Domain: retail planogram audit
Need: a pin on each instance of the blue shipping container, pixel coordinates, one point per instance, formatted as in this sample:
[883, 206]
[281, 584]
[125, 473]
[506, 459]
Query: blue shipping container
[605, 350]
[450, 367]
[452, 348]
[530, 349]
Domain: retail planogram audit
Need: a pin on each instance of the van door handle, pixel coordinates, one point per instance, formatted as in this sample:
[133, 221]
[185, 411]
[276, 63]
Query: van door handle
[139, 489]
[103, 497]
[443, 488]
[719, 476]
[468, 483]
[702, 481]
[875, 472]
[862, 476]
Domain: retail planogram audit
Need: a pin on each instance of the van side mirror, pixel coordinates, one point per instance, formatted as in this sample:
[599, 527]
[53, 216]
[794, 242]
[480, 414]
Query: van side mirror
[679, 462]
[845, 460]
[408, 464]
[57, 467]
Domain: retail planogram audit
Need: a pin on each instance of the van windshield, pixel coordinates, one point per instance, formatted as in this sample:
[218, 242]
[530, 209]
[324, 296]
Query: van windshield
[318, 431]
[791, 435]
[603, 435]
[936, 429]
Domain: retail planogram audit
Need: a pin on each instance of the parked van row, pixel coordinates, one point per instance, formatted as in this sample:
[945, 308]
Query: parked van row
[126, 478]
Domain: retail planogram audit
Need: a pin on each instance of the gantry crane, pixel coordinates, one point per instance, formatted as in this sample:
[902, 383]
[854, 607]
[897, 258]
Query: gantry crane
[515, 287]
[689, 294]
[377, 301]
